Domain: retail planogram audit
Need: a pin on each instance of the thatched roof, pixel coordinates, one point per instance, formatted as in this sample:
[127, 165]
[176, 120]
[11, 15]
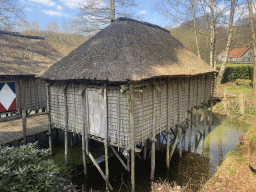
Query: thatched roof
[25, 55]
[128, 50]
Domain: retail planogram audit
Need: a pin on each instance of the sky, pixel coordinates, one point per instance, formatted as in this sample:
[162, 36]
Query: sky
[45, 11]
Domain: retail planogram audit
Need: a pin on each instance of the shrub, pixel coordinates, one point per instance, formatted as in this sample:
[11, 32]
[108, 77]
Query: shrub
[232, 73]
[26, 168]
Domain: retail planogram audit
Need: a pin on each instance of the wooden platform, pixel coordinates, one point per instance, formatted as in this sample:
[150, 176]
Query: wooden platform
[12, 130]
[222, 96]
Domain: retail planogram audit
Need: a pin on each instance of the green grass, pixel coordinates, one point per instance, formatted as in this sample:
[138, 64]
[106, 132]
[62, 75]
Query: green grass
[236, 89]
[233, 65]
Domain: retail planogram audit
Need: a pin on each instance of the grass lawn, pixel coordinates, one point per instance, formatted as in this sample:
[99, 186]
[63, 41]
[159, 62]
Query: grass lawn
[234, 65]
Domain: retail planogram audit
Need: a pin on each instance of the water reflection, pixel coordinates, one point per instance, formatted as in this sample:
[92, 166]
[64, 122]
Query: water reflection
[216, 143]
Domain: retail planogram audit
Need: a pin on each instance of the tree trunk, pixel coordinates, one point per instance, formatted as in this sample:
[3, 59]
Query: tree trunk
[112, 10]
[224, 62]
[195, 29]
[212, 38]
[253, 44]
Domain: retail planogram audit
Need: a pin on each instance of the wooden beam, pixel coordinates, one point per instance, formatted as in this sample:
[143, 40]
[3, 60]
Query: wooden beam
[120, 159]
[173, 147]
[100, 170]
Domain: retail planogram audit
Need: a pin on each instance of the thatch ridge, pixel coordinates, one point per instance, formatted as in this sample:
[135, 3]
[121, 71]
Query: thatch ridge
[128, 50]
[25, 55]
[142, 22]
[17, 34]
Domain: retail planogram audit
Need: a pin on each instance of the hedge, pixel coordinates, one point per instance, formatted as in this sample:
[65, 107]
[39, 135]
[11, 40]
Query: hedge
[237, 72]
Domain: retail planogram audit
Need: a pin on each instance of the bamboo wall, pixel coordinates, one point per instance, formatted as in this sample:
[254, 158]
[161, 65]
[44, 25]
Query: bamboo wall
[164, 101]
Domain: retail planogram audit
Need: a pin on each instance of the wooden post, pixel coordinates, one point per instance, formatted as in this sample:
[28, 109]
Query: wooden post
[168, 126]
[145, 150]
[225, 100]
[84, 130]
[49, 116]
[24, 123]
[210, 123]
[204, 120]
[50, 132]
[106, 138]
[72, 140]
[66, 125]
[132, 140]
[173, 147]
[190, 115]
[179, 114]
[119, 158]
[241, 102]
[100, 170]
[180, 140]
[153, 139]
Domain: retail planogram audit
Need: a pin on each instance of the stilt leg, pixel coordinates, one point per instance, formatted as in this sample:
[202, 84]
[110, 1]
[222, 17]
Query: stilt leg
[66, 146]
[204, 121]
[133, 169]
[50, 133]
[83, 151]
[145, 150]
[173, 147]
[24, 123]
[210, 124]
[106, 163]
[168, 150]
[153, 159]
[180, 139]
[72, 140]
[189, 131]
[100, 170]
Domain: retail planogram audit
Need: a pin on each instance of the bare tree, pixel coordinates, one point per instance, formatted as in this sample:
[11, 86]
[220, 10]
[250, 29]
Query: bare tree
[231, 21]
[253, 43]
[10, 13]
[212, 38]
[180, 11]
[101, 12]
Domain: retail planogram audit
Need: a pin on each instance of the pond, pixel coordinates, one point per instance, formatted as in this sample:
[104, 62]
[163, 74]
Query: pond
[194, 168]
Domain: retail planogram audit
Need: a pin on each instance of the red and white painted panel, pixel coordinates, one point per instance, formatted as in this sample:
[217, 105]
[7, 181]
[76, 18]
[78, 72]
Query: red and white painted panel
[7, 96]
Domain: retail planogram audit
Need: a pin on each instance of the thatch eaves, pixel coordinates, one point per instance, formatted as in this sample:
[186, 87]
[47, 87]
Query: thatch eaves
[25, 55]
[128, 50]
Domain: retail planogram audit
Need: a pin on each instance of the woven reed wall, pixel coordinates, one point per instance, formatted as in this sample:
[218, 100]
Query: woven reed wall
[183, 93]
[32, 94]
[173, 99]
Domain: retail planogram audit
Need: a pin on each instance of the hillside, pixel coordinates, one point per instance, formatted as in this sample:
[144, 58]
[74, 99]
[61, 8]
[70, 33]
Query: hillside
[64, 43]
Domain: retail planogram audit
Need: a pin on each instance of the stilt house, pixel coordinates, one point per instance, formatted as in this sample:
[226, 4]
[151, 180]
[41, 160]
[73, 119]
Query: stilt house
[129, 82]
[22, 59]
